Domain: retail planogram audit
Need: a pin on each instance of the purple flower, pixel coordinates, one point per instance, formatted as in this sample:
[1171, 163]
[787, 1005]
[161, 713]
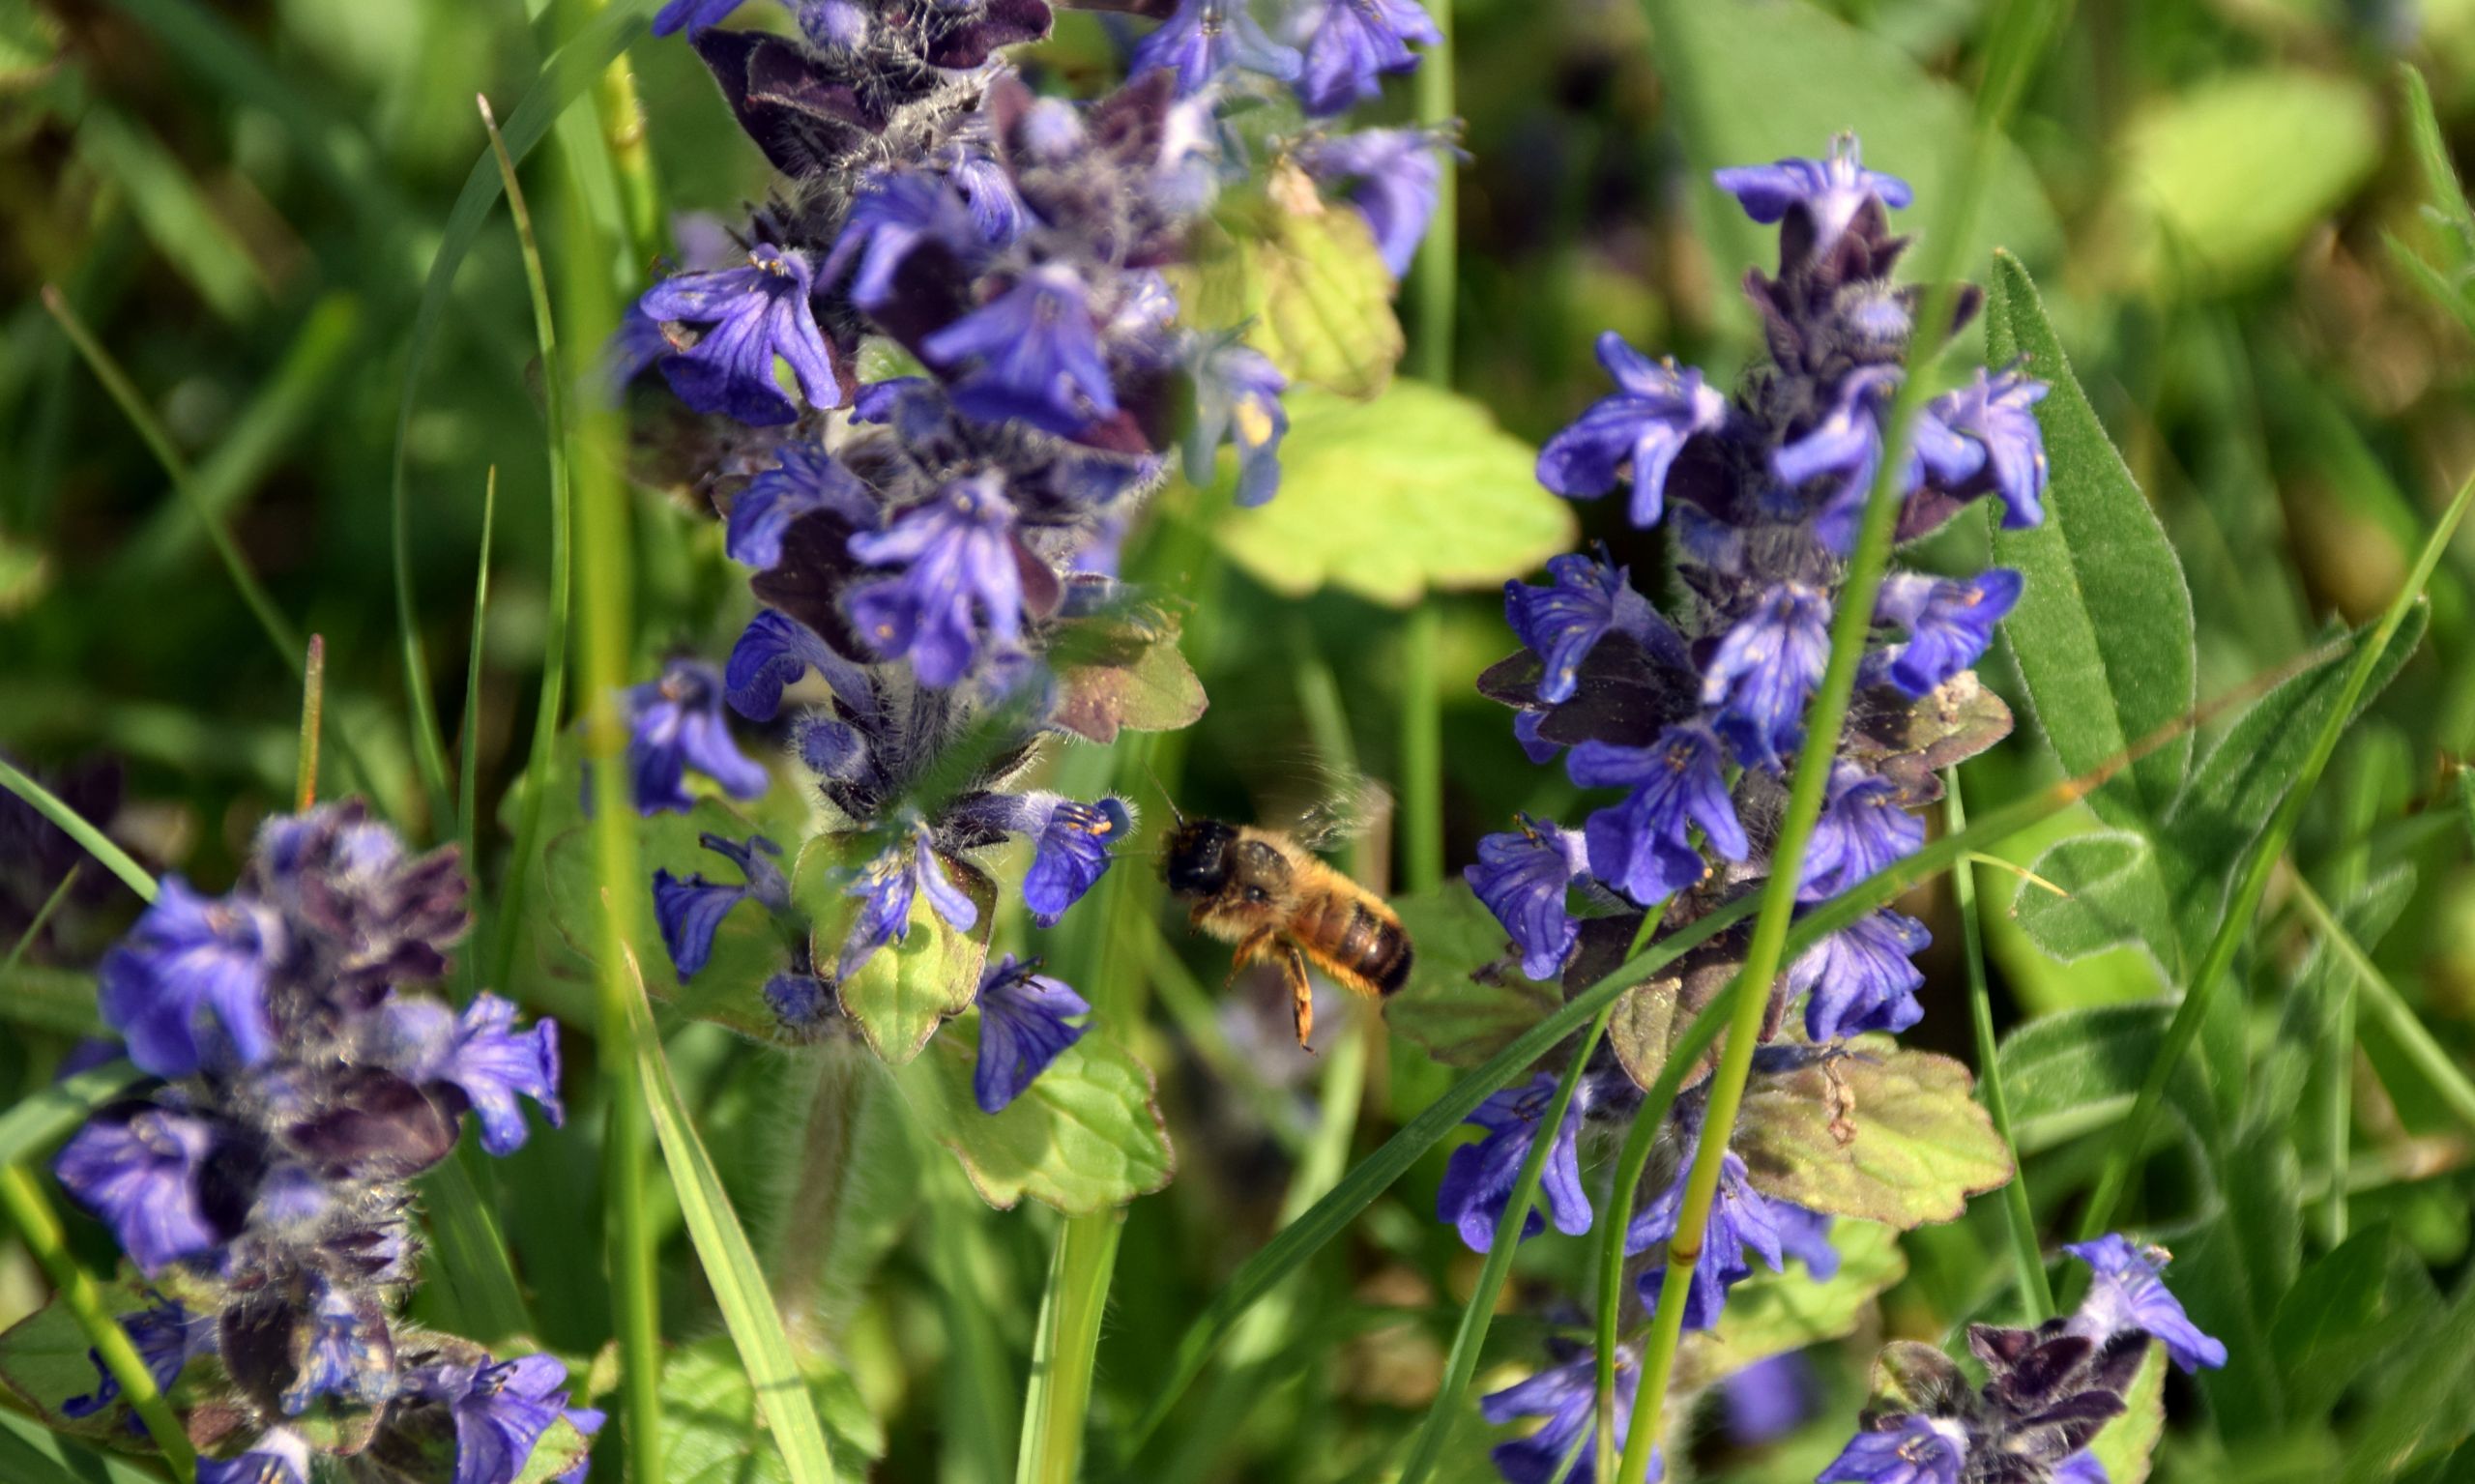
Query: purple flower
[1206, 37]
[1022, 1029]
[1860, 977]
[139, 1173]
[2128, 1293]
[961, 581]
[1352, 44]
[1847, 444]
[501, 1416]
[1655, 410]
[690, 912]
[1237, 398]
[893, 212]
[1904, 1449]
[803, 480]
[279, 1456]
[1392, 176]
[1766, 669]
[482, 1057]
[1069, 850]
[800, 1003]
[1948, 625]
[189, 984]
[692, 15]
[1522, 876]
[1478, 1178]
[1643, 847]
[987, 188]
[161, 1333]
[886, 887]
[1527, 727]
[1567, 1397]
[2080, 1468]
[675, 723]
[1770, 1399]
[773, 653]
[1563, 624]
[1862, 829]
[1831, 190]
[1039, 353]
[1993, 412]
[749, 315]
[1743, 1223]
[348, 1353]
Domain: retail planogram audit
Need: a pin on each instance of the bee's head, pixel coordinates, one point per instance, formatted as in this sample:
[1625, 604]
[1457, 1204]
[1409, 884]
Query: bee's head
[1195, 860]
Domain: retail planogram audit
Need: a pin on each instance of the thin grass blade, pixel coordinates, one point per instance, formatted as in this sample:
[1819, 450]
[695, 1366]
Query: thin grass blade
[74, 824]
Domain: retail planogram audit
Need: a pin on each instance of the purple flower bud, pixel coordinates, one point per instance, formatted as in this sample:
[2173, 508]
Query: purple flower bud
[801, 1003]
[1860, 979]
[1237, 398]
[501, 1413]
[279, 1456]
[1743, 1223]
[1831, 190]
[1948, 625]
[2128, 1293]
[346, 1351]
[1995, 412]
[1039, 353]
[886, 887]
[893, 212]
[1655, 410]
[2080, 1468]
[749, 316]
[139, 1173]
[690, 912]
[961, 590]
[833, 25]
[675, 723]
[1863, 829]
[777, 652]
[1643, 847]
[1770, 1399]
[1564, 623]
[692, 15]
[1352, 44]
[166, 1336]
[1393, 176]
[1567, 1397]
[1022, 1029]
[1478, 1178]
[1764, 670]
[1206, 37]
[1522, 877]
[187, 986]
[1847, 446]
[988, 189]
[1908, 1450]
[802, 481]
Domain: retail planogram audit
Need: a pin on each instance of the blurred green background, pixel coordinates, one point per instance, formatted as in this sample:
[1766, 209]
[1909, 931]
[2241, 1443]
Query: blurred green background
[243, 199]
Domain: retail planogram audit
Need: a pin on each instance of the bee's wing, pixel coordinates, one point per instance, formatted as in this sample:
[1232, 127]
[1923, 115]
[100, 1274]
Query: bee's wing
[1349, 808]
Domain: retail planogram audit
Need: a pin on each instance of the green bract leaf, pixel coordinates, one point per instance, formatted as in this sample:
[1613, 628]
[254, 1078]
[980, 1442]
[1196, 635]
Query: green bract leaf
[2229, 176]
[1772, 1314]
[44, 1359]
[557, 1453]
[1881, 1133]
[1467, 997]
[913, 983]
[2126, 1444]
[1414, 491]
[1085, 1136]
[1306, 280]
[1122, 672]
[2102, 631]
[711, 1433]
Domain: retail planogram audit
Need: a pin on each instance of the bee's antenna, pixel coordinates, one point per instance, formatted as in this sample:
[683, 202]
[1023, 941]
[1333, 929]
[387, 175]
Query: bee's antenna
[1174, 813]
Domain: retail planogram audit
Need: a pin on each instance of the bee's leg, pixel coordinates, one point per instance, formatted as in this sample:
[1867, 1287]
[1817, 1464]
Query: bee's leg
[1251, 950]
[1301, 991]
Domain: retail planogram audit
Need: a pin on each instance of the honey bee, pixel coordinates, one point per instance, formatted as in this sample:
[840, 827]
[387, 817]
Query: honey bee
[1264, 892]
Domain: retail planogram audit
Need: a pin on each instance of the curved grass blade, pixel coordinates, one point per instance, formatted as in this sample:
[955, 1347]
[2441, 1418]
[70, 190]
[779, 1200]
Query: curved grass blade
[469, 756]
[31, 1454]
[2447, 1078]
[73, 825]
[738, 1281]
[42, 1119]
[2253, 882]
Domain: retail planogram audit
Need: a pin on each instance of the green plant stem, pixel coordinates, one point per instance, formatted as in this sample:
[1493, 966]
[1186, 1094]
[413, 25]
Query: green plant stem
[39, 1228]
[1480, 1311]
[42, 1117]
[94, 841]
[1068, 1344]
[2036, 1293]
[42, 915]
[2446, 1077]
[1423, 748]
[2253, 882]
[313, 696]
[631, 159]
[1439, 251]
[468, 785]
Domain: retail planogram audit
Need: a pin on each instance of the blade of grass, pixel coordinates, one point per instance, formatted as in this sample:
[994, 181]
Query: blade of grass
[39, 1228]
[2019, 1218]
[2251, 883]
[472, 1251]
[731, 1269]
[468, 803]
[32, 1454]
[2447, 1078]
[42, 915]
[73, 825]
[313, 700]
[189, 234]
[44, 1117]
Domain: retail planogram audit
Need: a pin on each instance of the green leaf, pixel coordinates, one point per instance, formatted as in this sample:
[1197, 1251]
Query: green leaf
[2111, 878]
[1881, 1133]
[1772, 1314]
[2225, 179]
[31, 1454]
[2233, 1277]
[710, 1431]
[1122, 672]
[2428, 1406]
[2103, 632]
[1306, 280]
[560, 1450]
[2366, 1300]
[1415, 491]
[45, 1359]
[1466, 998]
[2128, 1444]
[25, 571]
[2081, 1063]
[1085, 1136]
[912, 985]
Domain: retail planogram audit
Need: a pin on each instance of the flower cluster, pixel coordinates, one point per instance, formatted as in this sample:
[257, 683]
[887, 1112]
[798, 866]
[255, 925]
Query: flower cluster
[934, 549]
[1692, 719]
[260, 1182]
[2050, 1390]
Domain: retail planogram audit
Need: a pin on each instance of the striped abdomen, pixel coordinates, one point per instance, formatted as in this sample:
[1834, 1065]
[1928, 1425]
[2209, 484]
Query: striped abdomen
[1358, 941]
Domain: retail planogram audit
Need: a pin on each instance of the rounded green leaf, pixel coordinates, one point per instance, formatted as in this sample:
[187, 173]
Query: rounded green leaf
[1085, 1136]
[1881, 1133]
[911, 985]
